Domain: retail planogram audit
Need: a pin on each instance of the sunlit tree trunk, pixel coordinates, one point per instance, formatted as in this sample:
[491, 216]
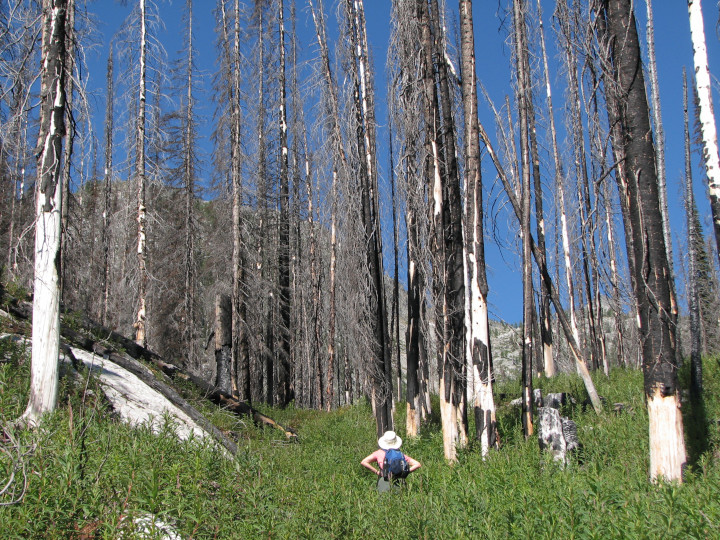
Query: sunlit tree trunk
[479, 336]
[189, 185]
[708, 127]
[524, 96]
[110, 97]
[628, 108]
[44, 376]
[141, 314]
[560, 189]
[545, 275]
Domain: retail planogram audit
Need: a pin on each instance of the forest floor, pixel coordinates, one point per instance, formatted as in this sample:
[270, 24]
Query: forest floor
[87, 474]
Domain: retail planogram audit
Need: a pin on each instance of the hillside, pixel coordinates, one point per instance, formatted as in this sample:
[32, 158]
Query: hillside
[87, 474]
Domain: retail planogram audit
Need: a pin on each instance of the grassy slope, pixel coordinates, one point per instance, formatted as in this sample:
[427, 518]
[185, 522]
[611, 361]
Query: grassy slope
[88, 471]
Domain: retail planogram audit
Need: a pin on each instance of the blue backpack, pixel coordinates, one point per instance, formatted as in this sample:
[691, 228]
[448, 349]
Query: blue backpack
[395, 466]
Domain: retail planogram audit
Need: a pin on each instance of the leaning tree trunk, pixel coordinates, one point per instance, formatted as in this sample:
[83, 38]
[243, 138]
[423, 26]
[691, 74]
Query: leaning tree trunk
[44, 375]
[708, 127]
[628, 108]
[545, 276]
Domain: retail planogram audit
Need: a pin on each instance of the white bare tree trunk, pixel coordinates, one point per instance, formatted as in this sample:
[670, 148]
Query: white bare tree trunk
[548, 359]
[478, 340]
[707, 115]
[141, 315]
[48, 200]
[667, 445]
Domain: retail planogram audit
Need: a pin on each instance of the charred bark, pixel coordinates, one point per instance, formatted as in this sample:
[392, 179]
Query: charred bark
[628, 109]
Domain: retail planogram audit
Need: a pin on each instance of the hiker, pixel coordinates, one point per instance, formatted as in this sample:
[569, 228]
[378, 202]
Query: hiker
[393, 465]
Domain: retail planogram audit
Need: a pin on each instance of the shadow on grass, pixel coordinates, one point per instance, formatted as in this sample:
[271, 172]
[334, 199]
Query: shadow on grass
[696, 429]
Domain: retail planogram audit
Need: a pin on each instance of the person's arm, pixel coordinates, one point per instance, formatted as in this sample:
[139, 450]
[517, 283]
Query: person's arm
[368, 463]
[414, 464]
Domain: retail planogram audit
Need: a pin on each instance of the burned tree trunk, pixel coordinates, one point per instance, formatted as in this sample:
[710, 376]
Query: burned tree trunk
[285, 376]
[140, 324]
[364, 105]
[44, 377]
[480, 359]
[628, 109]
[692, 280]
[556, 434]
[223, 343]
[524, 98]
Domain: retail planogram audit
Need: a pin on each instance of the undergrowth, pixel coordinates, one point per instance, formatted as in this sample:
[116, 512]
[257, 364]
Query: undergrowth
[86, 474]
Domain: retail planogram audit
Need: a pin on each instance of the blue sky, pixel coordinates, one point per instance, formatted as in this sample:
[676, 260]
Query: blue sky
[673, 46]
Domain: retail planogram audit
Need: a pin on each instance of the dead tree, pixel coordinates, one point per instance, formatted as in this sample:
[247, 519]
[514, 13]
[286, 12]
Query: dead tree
[479, 357]
[708, 128]
[285, 376]
[628, 110]
[44, 379]
[692, 279]
[524, 98]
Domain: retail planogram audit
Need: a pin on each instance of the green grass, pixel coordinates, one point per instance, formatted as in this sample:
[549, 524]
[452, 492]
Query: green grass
[85, 471]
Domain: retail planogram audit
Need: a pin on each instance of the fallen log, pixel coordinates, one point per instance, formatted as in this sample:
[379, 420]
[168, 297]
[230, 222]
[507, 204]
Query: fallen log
[143, 373]
[216, 396]
[234, 405]
[129, 361]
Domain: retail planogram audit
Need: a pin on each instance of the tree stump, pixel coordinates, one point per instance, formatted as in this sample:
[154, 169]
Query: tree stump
[223, 344]
[556, 434]
[556, 399]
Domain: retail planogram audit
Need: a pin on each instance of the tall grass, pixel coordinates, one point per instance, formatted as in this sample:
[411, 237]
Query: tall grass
[87, 473]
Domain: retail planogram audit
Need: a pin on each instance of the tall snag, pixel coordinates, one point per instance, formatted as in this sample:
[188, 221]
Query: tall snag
[44, 375]
[628, 109]
[479, 335]
[141, 313]
[364, 108]
[447, 236]
[524, 98]
[707, 115]
[692, 280]
[406, 98]
[285, 376]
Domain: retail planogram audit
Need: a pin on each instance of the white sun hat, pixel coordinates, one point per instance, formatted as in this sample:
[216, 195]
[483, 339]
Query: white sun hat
[390, 441]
